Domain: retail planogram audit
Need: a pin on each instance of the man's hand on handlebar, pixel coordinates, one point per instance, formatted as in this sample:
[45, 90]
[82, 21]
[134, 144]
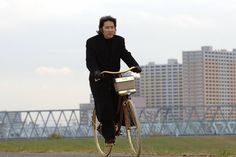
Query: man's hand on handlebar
[137, 69]
[97, 75]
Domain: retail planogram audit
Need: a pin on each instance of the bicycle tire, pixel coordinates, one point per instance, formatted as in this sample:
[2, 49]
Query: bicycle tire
[134, 129]
[103, 149]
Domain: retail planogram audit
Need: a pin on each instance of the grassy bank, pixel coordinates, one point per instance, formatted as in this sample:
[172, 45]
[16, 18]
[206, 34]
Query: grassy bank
[162, 145]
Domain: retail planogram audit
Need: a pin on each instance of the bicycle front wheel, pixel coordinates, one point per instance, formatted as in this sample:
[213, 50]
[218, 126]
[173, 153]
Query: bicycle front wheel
[103, 149]
[133, 128]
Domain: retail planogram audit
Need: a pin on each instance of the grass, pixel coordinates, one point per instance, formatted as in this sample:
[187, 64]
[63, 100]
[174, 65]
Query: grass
[161, 145]
[191, 145]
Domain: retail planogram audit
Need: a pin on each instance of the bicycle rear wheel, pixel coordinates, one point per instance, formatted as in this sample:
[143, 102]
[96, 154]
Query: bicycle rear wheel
[133, 128]
[103, 149]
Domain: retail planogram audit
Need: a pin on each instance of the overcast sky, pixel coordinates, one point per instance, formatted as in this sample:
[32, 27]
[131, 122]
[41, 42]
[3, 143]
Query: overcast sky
[42, 42]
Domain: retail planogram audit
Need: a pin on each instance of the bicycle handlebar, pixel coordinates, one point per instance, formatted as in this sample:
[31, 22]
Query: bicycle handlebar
[117, 72]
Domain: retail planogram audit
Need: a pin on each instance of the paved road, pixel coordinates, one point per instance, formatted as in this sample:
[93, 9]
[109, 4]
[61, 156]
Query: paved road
[10, 154]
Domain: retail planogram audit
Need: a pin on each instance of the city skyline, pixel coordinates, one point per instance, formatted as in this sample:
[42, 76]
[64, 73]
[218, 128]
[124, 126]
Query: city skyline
[42, 50]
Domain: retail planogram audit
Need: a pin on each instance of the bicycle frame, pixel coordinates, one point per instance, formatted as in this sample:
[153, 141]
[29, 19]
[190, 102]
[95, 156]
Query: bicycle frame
[126, 113]
[122, 90]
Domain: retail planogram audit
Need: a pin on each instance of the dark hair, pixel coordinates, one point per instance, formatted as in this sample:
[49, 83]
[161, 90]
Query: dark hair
[103, 20]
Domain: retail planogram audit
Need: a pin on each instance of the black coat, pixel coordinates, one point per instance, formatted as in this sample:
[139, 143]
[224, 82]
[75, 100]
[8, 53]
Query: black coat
[106, 54]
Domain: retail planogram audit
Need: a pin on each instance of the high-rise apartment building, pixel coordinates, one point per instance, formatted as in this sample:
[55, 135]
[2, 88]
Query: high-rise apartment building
[209, 78]
[161, 85]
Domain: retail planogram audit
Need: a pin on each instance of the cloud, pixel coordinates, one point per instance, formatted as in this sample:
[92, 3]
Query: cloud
[51, 71]
[185, 21]
[179, 20]
[3, 4]
[17, 14]
[43, 9]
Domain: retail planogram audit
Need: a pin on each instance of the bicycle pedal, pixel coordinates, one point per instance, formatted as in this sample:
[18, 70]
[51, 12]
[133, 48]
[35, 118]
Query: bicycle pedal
[121, 133]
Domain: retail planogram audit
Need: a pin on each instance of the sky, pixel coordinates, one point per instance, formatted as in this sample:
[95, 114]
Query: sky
[42, 42]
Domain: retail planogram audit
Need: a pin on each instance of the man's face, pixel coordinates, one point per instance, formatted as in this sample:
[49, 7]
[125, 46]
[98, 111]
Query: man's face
[108, 29]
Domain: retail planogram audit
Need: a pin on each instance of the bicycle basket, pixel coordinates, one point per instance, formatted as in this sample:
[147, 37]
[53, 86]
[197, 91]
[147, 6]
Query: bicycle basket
[124, 85]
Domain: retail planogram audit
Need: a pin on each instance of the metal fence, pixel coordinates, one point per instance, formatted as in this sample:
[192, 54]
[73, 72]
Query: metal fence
[171, 120]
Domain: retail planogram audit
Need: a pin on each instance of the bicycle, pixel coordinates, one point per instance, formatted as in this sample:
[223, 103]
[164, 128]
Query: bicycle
[127, 120]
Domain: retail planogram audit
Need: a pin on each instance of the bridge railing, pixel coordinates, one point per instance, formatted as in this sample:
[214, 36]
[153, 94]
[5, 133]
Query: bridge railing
[74, 123]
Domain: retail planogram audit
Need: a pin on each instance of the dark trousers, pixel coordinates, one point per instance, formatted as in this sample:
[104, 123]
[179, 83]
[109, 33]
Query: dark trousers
[108, 130]
[106, 100]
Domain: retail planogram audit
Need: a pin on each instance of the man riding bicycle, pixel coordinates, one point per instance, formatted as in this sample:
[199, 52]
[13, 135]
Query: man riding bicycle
[103, 53]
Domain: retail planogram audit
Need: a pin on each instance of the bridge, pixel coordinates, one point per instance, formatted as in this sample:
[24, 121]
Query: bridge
[74, 123]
